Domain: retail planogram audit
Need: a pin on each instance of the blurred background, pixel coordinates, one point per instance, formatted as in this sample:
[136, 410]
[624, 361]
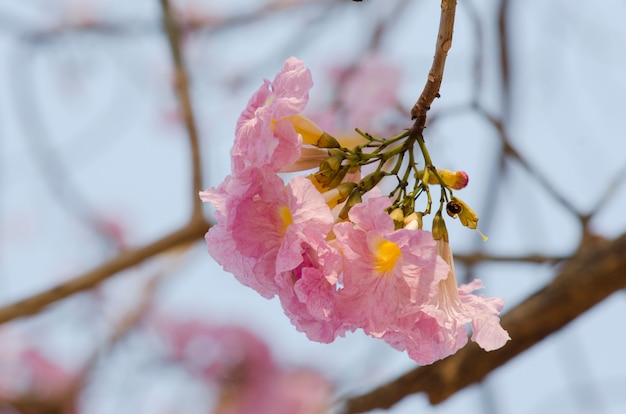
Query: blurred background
[95, 160]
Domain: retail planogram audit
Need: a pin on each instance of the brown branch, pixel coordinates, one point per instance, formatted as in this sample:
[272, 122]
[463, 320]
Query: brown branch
[584, 281]
[30, 306]
[435, 76]
[479, 257]
[184, 100]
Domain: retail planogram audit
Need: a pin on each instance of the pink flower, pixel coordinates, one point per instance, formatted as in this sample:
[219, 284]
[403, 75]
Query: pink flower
[486, 329]
[438, 329]
[387, 273]
[263, 227]
[27, 372]
[424, 338]
[310, 293]
[264, 137]
[214, 352]
[243, 371]
[365, 96]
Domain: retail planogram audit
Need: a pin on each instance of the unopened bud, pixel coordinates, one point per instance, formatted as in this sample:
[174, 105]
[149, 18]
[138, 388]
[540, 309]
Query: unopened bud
[371, 180]
[456, 180]
[353, 200]
[413, 221]
[439, 228]
[331, 164]
[338, 194]
[337, 178]
[398, 218]
[327, 141]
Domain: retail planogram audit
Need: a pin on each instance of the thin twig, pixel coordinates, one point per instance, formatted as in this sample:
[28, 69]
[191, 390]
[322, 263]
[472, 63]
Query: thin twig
[184, 100]
[512, 152]
[505, 56]
[480, 257]
[584, 281]
[32, 305]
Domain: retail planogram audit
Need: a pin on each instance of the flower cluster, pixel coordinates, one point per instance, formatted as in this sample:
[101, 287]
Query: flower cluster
[240, 368]
[338, 254]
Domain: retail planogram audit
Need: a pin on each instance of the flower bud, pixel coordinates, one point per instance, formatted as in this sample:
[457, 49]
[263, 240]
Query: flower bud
[456, 180]
[371, 180]
[336, 179]
[413, 221]
[398, 217]
[338, 194]
[353, 200]
[439, 228]
[331, 165]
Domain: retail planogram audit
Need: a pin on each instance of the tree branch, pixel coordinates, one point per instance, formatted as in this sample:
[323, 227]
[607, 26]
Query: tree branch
[30, 306]
[435, 76]
[184, 100]
[584, 281]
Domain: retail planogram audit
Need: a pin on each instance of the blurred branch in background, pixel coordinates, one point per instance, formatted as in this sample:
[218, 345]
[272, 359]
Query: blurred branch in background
[194, 229]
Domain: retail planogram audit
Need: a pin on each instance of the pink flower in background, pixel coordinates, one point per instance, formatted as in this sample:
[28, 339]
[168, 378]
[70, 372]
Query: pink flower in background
[26, 372]
[367, 90]
[215, 351]
[264, 227]
[240, 366]
[263, 136]
[387, 273]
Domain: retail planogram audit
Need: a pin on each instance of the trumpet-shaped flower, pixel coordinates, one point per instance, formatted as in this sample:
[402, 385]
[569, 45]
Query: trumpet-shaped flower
[264, 136]
[309, 298]
[263, 226]
[438, 329]
[387, 273]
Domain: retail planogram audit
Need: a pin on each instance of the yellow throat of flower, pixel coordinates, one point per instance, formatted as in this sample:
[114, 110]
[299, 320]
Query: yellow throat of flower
[285, 215]
[386, 254]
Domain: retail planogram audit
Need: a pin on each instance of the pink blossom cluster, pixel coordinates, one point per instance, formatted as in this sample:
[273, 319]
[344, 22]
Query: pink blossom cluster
[240, 367]
[334, 276]
[29, 375]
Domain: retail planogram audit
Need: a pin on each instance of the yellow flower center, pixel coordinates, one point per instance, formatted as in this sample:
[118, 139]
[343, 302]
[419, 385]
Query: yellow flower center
[386, 254]
[285, 215]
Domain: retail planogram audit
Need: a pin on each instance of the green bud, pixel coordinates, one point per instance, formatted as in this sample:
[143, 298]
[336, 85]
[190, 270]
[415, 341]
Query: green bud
[327, 141]
[344, 191]
[439, 228]
[370, 181]
[353, 200]
[336, 179]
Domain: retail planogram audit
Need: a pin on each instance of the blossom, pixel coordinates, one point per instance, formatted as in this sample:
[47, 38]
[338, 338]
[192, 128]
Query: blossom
[213, 351]
[310, 300]
[364, 95]
[240, 367]
[438, 329]
[264, 136]
[29, 373]
[263, 227]
[387, 272]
